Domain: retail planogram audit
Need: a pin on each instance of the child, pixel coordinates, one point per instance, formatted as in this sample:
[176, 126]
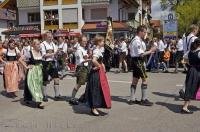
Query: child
[166, 58]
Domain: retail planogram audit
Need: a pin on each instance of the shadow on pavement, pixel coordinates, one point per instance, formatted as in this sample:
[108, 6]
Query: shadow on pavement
[122, 99]
[176, 108]
[7, 95]
[63, 98]
[176, 97]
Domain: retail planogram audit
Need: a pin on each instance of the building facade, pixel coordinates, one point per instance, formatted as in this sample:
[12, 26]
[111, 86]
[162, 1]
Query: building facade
[61, 14]
[7, 20]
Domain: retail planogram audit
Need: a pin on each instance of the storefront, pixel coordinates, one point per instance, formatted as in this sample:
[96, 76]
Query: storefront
[93, 28]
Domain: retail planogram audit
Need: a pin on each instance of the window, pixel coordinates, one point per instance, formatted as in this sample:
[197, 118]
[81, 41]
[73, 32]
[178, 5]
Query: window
[131, 16]
[33, 17]
[98, 14]
[70, 15]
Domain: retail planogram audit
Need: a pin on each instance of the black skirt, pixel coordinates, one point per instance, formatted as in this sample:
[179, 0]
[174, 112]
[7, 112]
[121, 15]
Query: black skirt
[94, 94]
[192, 83]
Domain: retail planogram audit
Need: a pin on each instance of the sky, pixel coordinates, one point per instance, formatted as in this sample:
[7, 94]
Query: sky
[156, 11]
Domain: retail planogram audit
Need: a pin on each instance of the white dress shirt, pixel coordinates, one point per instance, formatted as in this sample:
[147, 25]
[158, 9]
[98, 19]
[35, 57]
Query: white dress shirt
[80, 53]
[137, 47]
[48, 46]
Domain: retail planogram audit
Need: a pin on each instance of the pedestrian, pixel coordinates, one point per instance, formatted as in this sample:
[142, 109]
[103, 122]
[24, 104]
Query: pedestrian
[179, 53]
[166, 58]
[123, 52]
[97, 92]
[138, 52]
[81, 69]
[192, 83]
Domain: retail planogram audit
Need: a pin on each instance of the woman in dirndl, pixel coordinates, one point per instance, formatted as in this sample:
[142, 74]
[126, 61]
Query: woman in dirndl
[97, 93]
[192, 83]
[34, 78]
[11, 71]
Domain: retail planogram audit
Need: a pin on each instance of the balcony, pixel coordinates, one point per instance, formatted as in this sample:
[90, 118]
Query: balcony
[51, 19]
[69, 2]
[94, 2]
[73, 25]
[50, 2]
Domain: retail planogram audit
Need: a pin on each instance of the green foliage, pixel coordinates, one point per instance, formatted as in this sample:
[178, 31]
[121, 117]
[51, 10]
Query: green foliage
[188, 13]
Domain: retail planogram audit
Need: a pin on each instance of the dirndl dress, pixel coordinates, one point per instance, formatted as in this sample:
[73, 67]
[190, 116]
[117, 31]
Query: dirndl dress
[35, 79]
[97, 92]
[192, 82]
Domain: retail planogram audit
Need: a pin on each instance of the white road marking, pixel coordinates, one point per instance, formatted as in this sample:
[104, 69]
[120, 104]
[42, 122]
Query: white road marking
[112, 81]
[179, 85]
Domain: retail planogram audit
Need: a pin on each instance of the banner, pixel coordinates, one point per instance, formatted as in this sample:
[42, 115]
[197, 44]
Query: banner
[109, 44]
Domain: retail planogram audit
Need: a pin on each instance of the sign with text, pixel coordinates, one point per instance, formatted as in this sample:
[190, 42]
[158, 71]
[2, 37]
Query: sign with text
[170, 28]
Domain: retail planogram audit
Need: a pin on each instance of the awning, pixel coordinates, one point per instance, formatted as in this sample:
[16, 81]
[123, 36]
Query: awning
[94, 27]
[35, 35]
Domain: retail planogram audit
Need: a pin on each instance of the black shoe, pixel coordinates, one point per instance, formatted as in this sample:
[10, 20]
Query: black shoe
[58, 98]
[45, 99]
[40, 106]
[146, 102]
[181, 94]
[166, 71]
[186, 112]
[132, 102]
[73, 102]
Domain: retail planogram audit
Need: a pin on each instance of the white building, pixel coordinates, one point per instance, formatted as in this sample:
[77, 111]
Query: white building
[28, 12]
[61, 14]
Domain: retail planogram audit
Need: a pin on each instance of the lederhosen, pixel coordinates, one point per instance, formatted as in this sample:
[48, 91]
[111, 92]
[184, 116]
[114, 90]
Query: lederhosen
[138, 67]
[49, 68]
[61, 59]
[81, 74]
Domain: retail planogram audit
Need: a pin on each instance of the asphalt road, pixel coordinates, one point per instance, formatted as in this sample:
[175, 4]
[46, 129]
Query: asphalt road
[163, 116]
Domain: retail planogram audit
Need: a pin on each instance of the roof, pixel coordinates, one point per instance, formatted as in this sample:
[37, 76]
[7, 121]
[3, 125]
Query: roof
[7, 14]
[9, 4]
[155, 23]
[28, 3]
[117, 26]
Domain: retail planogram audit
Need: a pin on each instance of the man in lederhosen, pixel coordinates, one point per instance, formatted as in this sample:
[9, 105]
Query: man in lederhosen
[49, 51]
[61, 55]
[138, 52]
[81, 69]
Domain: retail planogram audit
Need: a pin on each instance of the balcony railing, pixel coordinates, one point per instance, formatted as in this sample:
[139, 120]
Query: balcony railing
[70, 25]
[69, 2]
[51, 27]
[50, 2]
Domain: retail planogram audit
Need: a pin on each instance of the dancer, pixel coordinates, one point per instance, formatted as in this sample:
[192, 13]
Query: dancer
[192, 83]
[81, 69]
[97, 90]
[11, 74]
[49, 51]
[62, 55]
[138, 51]
[34, 79]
